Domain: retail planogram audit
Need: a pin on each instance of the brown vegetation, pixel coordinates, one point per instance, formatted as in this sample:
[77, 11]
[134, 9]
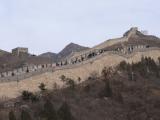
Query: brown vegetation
[129, 92]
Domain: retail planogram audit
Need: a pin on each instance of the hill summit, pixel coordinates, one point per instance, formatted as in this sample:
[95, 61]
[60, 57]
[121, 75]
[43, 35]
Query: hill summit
[72, 47]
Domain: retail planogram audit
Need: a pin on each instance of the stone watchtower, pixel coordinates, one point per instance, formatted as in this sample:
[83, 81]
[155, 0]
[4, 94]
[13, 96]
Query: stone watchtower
[131, 32]
[20, 51]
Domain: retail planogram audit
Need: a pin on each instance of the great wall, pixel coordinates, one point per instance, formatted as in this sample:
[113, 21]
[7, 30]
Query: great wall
[25, 72]
[77, 65]
[29, 71]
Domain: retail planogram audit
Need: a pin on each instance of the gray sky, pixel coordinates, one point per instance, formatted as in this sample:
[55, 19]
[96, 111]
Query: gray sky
[49, 25]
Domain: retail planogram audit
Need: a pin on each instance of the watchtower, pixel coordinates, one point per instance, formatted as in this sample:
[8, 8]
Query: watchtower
[20, 51]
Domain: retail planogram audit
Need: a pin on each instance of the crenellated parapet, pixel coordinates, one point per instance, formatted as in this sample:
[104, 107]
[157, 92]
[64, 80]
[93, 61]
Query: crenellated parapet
[130, 48]
[80, 57]
[125, 50]
[31, 69]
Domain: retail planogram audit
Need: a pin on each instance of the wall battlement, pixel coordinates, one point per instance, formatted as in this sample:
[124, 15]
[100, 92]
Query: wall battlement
[32, 70]
[25, 72]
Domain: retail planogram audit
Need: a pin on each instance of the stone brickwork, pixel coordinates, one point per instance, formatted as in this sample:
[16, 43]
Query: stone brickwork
[29, 71]
[93, 53]
[19, 51]
[25, 71]
[130, 48]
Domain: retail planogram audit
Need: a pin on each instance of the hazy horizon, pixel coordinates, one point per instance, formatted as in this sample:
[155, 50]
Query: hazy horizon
[48, 26]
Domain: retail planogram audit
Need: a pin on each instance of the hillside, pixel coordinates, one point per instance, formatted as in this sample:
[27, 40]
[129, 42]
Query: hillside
[50, 55]
[72, 47]
[82, 70]
[132, 92]
[115, 94]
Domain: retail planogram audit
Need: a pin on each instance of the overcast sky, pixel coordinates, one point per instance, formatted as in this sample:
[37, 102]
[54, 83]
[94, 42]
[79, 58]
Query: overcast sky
[49, 25]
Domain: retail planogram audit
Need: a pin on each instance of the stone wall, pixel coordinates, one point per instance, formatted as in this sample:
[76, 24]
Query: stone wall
[29, 71]
[94, 53]
[131, 48]
[20, 51]
[81, 69]
[24, 72]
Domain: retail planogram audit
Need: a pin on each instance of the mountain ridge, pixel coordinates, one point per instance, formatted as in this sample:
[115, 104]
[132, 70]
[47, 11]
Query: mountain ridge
[67, 50]
[131, 37]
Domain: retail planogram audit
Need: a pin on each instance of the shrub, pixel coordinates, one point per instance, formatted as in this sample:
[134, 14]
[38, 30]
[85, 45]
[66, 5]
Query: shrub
[70, 83]
[25, 115]
[118, 97]
[55, 86]
[63, 78]
[64, 112]
[122, 65]
[12, 116]
[93, 76]
[79, 79]
[107, 89]
[49, 112]
[42, 87]
[146, 67]
[34, 98]
[87, 88]
[26, 95]
[107, 73]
